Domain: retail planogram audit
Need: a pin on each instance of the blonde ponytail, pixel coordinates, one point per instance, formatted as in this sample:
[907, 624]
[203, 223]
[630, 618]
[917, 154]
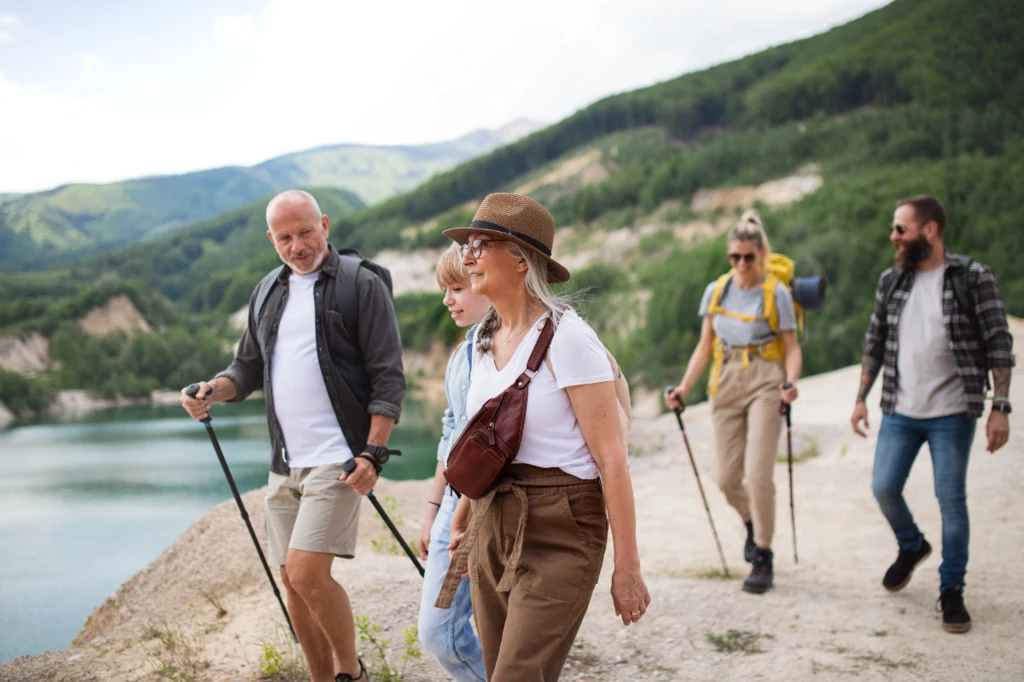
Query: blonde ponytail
[751, 229]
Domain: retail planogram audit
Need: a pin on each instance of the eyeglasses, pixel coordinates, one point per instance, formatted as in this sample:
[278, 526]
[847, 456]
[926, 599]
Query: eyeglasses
[735, 258]
[476, 246]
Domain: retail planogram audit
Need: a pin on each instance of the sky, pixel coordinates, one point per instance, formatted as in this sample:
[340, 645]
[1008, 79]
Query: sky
[106, 90]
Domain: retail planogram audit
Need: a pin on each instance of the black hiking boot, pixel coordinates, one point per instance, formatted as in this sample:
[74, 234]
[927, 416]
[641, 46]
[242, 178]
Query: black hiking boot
[345, 677]
[749, 547]
[954, 614]
[898, 575]
[760, 579]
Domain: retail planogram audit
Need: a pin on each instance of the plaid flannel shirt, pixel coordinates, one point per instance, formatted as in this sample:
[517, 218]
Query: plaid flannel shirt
[978, 346]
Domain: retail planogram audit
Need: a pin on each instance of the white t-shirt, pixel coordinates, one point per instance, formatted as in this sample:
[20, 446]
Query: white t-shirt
[312, 435]
[929, 383]
[551, 435]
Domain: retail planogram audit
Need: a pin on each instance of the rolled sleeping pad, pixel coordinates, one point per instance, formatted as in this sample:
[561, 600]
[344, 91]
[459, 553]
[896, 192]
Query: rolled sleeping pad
[809, 292]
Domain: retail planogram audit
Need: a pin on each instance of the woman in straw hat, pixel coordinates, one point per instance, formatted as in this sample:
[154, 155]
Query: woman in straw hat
[535, 544]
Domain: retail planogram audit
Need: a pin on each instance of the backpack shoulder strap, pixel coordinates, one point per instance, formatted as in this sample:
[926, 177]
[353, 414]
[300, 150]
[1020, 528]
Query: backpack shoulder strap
[962, 293]
[890, 286]
[961, 289]
[770, 312]
[263, 290]
[721, 285]
[469, 347]
[346, 294]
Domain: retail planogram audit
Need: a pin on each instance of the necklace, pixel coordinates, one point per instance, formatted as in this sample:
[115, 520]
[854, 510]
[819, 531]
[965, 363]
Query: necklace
[509, 339]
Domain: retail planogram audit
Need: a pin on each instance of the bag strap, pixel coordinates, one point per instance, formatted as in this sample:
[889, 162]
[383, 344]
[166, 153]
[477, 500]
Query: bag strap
[263, 290]
[541, 347]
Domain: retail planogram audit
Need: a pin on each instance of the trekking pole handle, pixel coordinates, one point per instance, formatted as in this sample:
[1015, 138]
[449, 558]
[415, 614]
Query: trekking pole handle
[678, 410]
[349, 466]
[192, 391]
[786, 408]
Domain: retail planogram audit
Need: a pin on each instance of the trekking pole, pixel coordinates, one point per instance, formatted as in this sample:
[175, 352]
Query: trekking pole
[191, 392]
[350, 466]
[786, 409]
[693, 462]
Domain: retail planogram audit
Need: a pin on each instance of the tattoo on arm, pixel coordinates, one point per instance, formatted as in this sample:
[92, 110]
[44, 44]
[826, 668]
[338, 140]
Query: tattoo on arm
[869, 367]
[1001, 383]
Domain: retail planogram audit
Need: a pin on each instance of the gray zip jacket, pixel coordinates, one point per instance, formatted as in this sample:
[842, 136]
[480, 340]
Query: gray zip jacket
[360, 359]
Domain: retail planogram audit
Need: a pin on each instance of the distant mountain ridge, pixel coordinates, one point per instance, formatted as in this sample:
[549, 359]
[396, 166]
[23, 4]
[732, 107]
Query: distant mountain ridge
[60, 225]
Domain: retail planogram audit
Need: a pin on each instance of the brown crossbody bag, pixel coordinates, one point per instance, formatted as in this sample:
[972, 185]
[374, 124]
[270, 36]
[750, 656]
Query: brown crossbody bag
[491, 439]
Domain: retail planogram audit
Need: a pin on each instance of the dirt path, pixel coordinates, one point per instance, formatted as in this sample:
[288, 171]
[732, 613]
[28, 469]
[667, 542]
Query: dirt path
[828, 617]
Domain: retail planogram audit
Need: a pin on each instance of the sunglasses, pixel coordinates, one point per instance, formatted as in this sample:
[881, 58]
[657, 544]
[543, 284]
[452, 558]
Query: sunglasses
[735, 258]
[476, 246]
[900, 229]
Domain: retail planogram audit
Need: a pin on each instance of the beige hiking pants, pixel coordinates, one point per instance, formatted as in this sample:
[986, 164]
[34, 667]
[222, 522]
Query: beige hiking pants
[747, 424]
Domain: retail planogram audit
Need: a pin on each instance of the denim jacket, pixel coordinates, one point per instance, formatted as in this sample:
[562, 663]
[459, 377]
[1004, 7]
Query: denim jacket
[456, 386]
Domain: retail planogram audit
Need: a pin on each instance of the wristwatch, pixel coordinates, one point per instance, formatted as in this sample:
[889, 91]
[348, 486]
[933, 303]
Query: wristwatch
[1002, 407]
[380, 455]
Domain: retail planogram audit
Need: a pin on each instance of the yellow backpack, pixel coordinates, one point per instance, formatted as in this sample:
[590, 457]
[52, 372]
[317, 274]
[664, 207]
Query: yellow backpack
[779, 269]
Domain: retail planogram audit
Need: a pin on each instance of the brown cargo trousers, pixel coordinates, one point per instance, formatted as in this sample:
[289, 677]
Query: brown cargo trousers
[534, 550]
[747, 424]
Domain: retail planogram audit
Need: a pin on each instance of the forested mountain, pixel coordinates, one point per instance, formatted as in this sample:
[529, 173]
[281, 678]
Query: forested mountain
[921, 96]
[61, 225]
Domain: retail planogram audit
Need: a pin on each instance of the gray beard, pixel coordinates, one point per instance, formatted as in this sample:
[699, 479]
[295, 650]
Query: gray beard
[317, 262]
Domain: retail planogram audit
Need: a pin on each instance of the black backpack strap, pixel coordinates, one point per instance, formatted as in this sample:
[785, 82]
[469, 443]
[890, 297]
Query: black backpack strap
[263, 290]
[346, 293]
[890, 286]
[346, 286]
[962, 292]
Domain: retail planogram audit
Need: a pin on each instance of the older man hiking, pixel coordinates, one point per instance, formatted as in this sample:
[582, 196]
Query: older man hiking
[322, 341]
[937, 330]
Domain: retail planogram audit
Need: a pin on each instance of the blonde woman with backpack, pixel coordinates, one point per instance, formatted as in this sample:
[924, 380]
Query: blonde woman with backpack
[749, 329]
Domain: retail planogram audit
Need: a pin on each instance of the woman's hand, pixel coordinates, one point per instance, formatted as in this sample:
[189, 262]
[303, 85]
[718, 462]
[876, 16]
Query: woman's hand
[788, 394]
[460, 523]
[629, 592]
[674, 398]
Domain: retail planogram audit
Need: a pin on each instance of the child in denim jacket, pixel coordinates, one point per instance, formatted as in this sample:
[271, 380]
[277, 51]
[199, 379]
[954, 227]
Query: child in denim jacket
[447, 634]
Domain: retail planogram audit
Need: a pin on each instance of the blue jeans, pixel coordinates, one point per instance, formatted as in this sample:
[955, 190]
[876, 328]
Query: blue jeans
[949, 440]
[447, 634]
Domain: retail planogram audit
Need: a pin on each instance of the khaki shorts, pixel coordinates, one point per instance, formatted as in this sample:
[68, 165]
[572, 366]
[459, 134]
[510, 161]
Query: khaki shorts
[311, 510]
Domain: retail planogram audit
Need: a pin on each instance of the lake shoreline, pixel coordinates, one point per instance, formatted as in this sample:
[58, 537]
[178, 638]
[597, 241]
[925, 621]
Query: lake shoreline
[91, 499]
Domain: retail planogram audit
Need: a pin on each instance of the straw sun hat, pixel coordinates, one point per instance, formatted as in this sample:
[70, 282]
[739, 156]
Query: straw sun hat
[518, 219]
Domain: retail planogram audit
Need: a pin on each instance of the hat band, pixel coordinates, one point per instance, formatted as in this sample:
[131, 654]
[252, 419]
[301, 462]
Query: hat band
[535, 243]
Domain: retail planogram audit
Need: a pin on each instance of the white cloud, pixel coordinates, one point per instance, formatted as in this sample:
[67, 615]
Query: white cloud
[235, 30]
[9, 25]
[303, 73]
[89, 63]
[91, 141]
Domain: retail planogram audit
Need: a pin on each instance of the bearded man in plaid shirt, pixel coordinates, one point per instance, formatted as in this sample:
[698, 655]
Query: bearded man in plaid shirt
[937, 330]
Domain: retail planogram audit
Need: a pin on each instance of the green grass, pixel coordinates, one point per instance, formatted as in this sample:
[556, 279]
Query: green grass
[735, 641]
[809, 452]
